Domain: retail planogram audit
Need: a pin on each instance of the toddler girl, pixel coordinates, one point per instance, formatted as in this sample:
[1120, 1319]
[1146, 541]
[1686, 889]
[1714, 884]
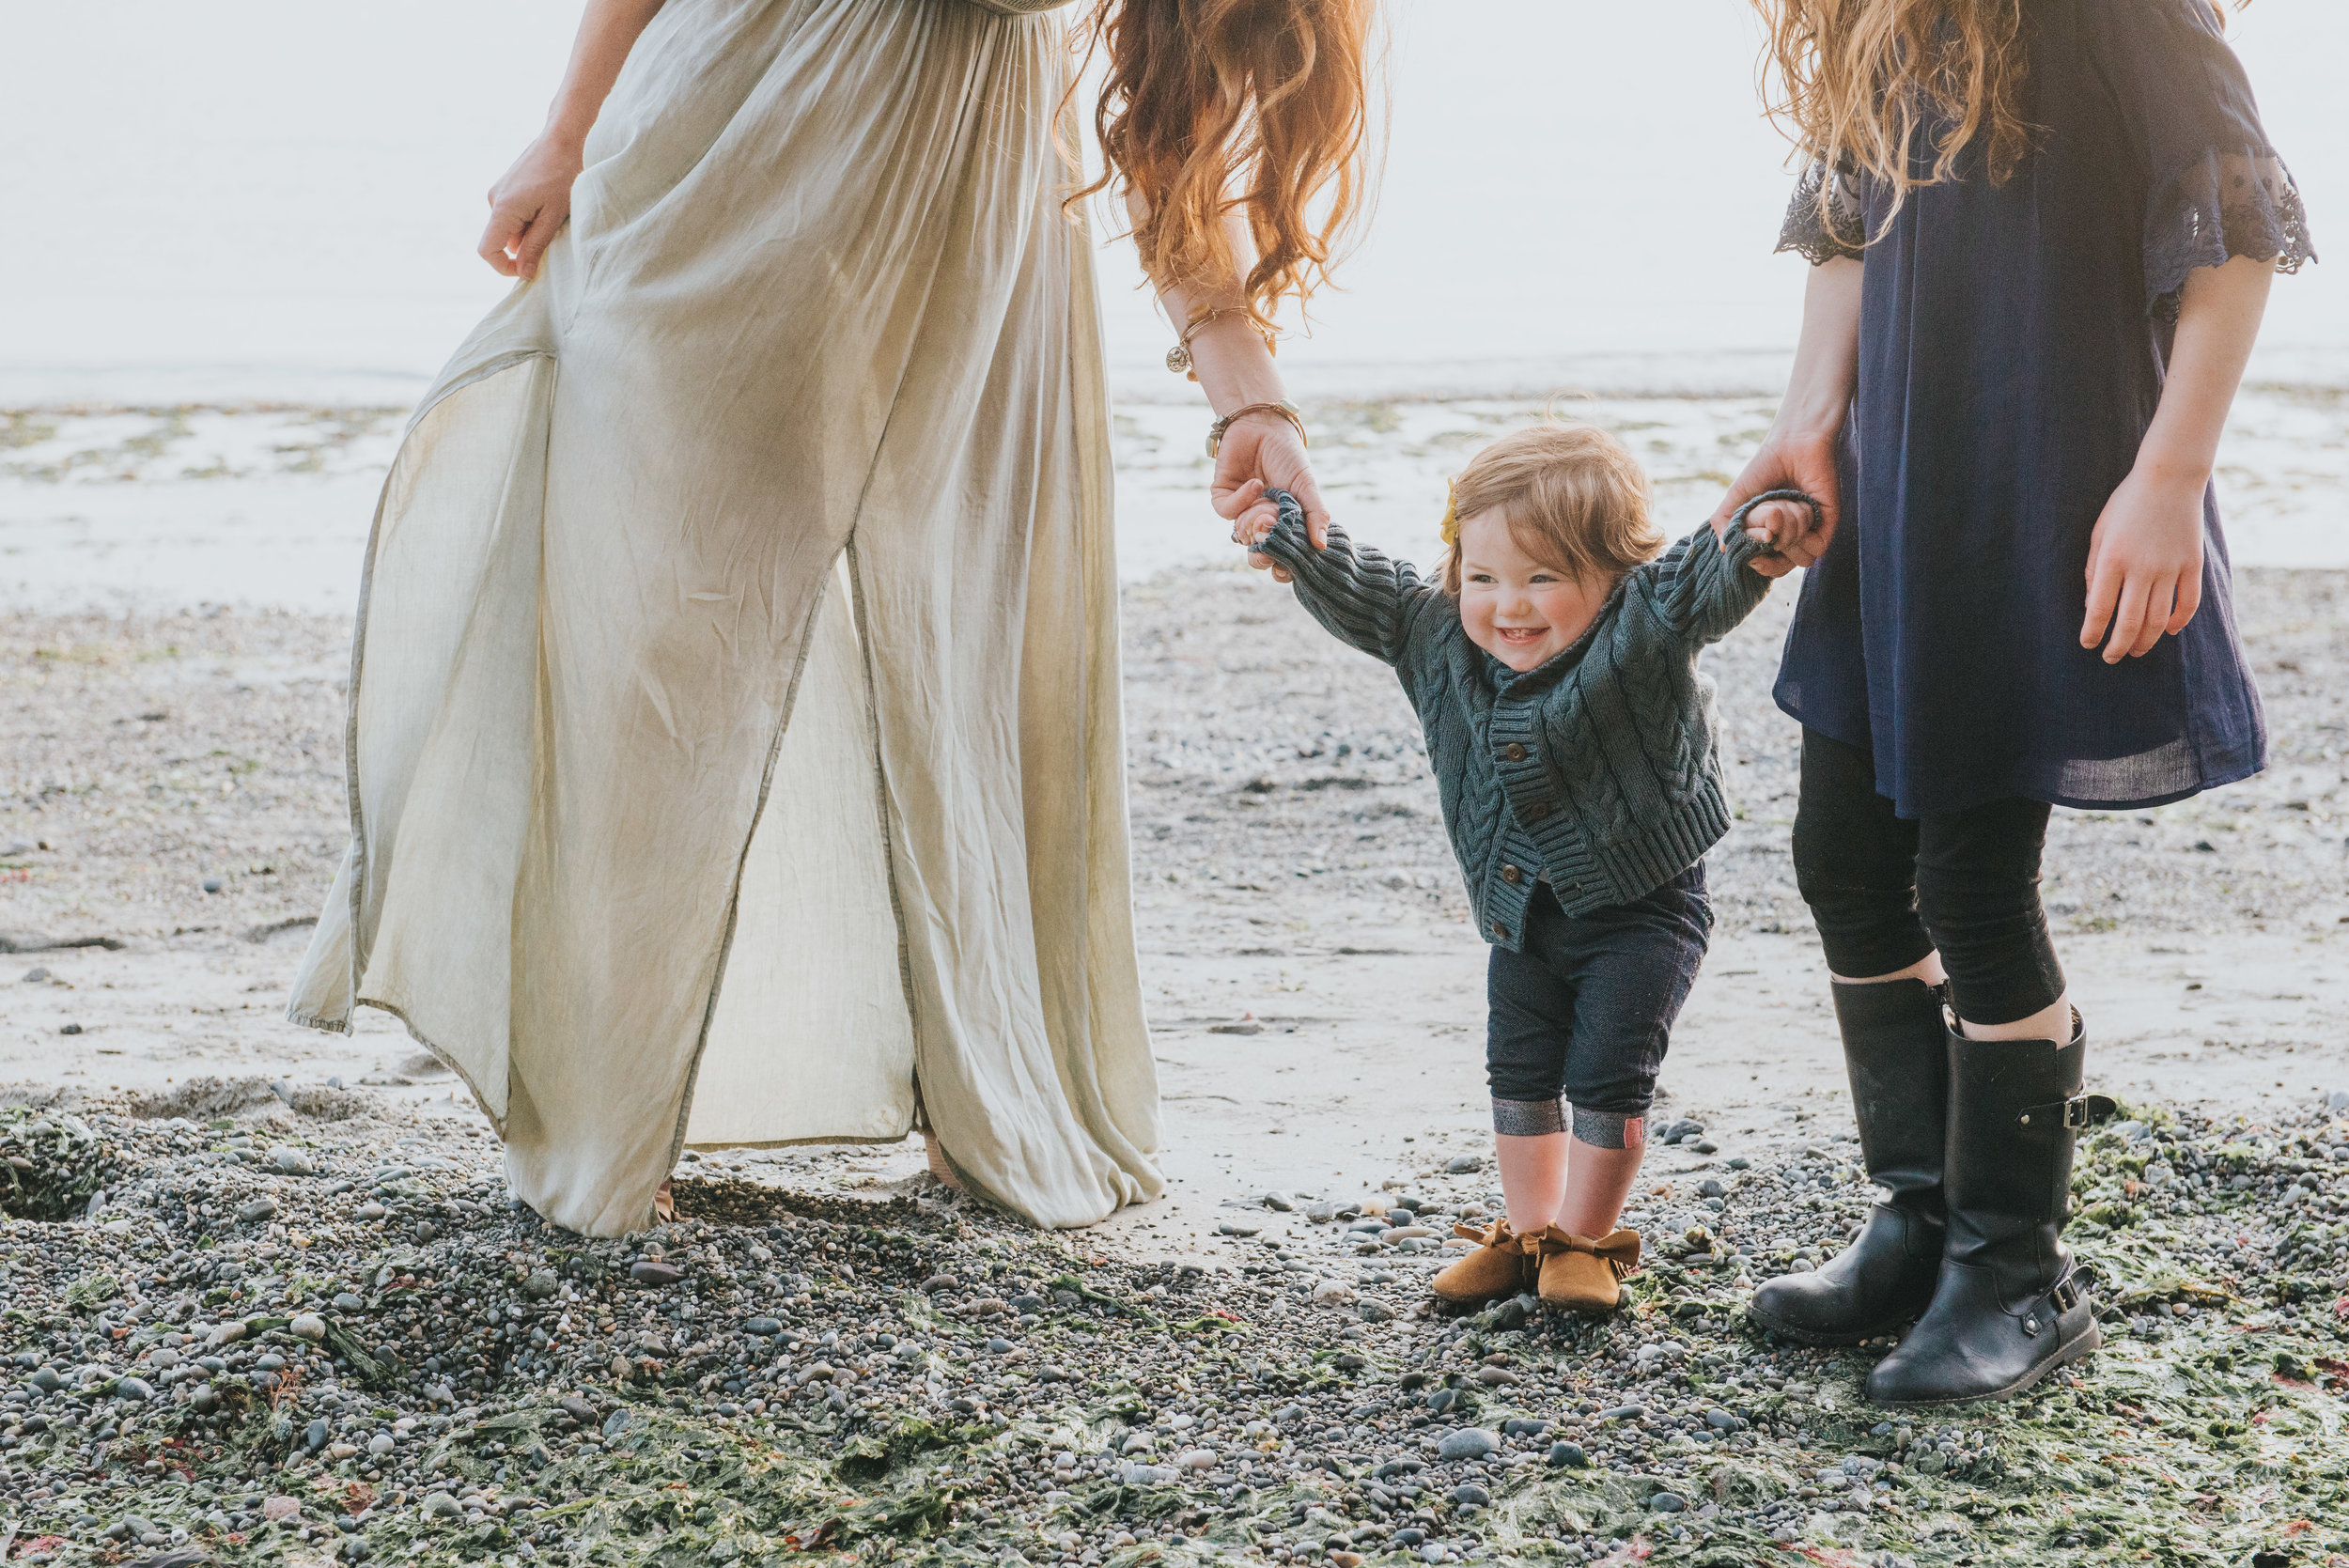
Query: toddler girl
[1553, 663]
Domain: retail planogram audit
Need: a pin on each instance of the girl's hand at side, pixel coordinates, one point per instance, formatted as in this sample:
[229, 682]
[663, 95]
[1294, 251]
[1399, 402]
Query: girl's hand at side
[529, 204]
[2145, 561]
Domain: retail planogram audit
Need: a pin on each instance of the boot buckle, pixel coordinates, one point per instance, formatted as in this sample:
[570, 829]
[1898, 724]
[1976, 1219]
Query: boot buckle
[2073, 1115]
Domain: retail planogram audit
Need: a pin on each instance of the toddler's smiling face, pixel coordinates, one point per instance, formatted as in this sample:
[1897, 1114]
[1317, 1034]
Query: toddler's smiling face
[1521, 611]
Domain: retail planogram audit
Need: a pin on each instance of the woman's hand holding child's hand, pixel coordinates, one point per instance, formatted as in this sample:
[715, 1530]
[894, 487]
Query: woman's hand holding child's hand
[1252, 518]
[2145, 561]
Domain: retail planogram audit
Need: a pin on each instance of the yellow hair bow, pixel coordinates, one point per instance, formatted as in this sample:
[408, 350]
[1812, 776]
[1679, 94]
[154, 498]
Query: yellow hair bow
[1449, 527]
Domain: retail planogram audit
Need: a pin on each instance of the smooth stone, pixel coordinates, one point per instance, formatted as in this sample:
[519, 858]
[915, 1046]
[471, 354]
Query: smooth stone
[1470, 1496]
[1624, 1412]
[257, 1210]
[1279, 1203]
[1461, 1165]
[1720, 1421]
[380, 1444]
[440, 1505]
[1321, 1211]
[1706, 1147]
[540, 1286]
[308, 1325]
[135, 1388]
[1668, 1503]
[1739, 1162]
[1149, 1475]
[577, 1408]
[1196, 1459]
[346, 1302]
[936, 1282]
[998, 1347]
[1568, 1456]
[1709, 1187]
[1329, 1291]
[289, 1160]
[1375, 1312]
[1469, 1442]
[372, 1210]
[314, 1436]
[653, 1272]
[765, 1327]
[1228, 1228]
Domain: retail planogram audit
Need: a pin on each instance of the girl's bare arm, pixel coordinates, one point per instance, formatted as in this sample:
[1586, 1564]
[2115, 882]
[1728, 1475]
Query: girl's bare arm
[1798, 454]
[2145, 558]
[529, 203]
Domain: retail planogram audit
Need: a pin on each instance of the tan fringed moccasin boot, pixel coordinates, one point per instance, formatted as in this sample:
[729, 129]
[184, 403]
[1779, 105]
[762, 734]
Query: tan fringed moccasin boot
[1498, 1266]
[1582, 1275]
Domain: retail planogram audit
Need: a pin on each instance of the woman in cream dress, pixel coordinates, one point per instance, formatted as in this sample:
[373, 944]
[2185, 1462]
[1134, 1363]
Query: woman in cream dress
[735, 745]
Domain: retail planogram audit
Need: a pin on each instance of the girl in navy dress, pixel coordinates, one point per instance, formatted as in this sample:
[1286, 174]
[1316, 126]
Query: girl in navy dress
[2044, 232]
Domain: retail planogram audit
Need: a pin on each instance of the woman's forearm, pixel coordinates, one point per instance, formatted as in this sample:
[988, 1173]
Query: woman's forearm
[2218, 320]
[607, 31]
[1233, 363]
[1827, 356]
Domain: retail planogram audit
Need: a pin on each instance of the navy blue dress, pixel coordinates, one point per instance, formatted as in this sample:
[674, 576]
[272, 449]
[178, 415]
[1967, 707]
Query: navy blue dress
[2011, 344]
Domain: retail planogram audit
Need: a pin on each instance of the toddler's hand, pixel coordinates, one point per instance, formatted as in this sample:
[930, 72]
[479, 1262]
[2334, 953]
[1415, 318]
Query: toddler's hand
[1778, 524]
[1255, 524]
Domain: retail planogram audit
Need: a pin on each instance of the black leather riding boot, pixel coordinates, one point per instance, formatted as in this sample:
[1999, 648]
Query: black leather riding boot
[2010, 1305]
[1895, 1048]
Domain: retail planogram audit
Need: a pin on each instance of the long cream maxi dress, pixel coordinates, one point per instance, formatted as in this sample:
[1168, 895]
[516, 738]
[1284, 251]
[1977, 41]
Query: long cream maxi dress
[735, 742]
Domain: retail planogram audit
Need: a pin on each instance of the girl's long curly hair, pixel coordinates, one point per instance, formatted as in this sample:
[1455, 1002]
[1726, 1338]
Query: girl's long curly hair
[1254, 107]
[1854, 82]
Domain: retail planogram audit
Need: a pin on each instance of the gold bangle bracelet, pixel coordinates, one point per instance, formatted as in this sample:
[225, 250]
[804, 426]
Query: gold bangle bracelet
[1284, 408]
[1178, 358]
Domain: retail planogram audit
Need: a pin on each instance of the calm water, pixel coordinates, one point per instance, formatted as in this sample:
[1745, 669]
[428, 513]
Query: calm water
[278, 199]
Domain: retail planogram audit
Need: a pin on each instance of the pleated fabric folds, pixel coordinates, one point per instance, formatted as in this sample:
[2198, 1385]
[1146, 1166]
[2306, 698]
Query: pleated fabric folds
[735, 745]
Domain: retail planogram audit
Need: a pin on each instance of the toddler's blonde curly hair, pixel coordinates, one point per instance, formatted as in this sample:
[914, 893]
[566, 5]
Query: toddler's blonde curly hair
[1574, 498]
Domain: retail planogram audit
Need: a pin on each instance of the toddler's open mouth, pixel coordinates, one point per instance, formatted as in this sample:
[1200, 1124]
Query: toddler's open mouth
[1520, 635]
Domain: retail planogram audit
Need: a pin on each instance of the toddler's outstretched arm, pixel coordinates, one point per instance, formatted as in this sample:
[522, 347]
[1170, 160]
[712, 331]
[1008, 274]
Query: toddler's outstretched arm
[1705, 588]
[1360, 596]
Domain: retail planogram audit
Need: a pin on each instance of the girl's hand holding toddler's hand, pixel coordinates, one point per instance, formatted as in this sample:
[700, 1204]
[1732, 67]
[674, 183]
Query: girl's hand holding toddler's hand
[2145, 561]
[1792, 459]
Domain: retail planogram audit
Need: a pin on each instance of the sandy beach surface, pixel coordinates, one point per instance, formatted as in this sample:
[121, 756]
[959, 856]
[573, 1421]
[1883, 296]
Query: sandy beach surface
[270, 1304]
[174, 793]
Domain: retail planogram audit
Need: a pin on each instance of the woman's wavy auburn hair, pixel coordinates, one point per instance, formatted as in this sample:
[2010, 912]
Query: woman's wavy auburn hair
[1254, 107]
[1852, 81]
[1574, 498]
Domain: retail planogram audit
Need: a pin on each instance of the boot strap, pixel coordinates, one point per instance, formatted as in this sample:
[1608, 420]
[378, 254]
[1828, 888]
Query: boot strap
[2080, 1110]
[2067, 1293]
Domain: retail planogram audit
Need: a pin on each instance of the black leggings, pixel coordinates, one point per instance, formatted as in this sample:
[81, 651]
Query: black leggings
[1887, 891]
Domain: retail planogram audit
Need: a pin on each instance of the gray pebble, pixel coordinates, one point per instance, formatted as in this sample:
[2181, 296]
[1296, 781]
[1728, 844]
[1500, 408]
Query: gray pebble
[135, 1388]
[540, 1286]
[1461, 1165]
[1470, 1496]
[1469, 1442]
[1668, 1503]
[256, 1211]
[1567, 1456]
[654, 1272]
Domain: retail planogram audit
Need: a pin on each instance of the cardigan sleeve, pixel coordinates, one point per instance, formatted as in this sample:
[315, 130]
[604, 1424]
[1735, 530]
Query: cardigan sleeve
[1359, 594]
[1701, 591]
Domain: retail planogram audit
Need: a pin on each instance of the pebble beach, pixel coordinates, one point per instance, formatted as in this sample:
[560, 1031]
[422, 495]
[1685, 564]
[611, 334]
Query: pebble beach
[266, 1298]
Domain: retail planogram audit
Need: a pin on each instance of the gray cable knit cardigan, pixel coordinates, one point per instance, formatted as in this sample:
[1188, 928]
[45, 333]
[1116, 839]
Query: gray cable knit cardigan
[1597, 770]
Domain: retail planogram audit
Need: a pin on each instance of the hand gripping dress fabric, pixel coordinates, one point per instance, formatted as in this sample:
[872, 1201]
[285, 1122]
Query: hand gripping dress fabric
[735, 744]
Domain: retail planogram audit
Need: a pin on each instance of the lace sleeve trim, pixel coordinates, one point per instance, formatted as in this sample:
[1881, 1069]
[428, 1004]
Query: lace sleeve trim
[1823, 231]
[2221, 205]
